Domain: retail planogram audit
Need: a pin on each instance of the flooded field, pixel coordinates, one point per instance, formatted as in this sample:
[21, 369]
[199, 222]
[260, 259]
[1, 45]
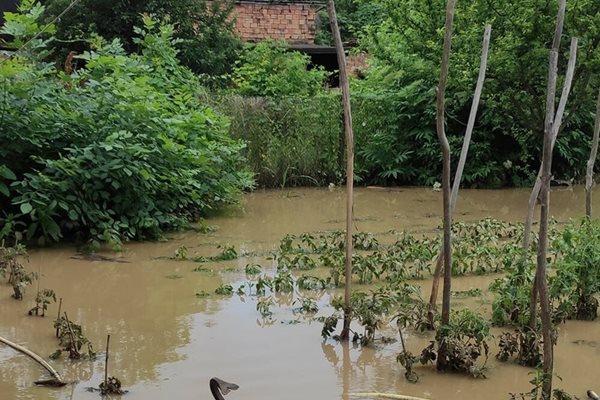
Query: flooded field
[167, 343]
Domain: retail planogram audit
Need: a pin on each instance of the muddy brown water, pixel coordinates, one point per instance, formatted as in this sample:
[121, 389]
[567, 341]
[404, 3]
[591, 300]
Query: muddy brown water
[166, 343]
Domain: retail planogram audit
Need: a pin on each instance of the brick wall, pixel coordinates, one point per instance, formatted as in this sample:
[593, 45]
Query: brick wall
[294, 23]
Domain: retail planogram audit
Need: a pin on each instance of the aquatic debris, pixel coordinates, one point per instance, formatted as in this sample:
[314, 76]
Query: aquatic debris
[56, 381]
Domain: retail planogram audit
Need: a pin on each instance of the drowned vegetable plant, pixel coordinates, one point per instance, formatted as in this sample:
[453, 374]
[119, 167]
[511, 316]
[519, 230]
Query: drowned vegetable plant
[12, 269]
[72, 341]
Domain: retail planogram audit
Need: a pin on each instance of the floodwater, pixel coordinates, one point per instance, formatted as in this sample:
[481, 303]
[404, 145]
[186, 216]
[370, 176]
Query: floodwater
[166, 343]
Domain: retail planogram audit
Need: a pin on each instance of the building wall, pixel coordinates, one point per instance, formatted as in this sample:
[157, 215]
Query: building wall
[294, 23]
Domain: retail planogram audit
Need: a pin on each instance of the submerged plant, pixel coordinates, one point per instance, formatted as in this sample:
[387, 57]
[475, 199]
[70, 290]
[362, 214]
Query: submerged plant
[577, 278]
[72, 341]
[42, 300]
[12, 269]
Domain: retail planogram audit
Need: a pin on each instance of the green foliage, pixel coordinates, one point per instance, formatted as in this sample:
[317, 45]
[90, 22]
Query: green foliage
[122, 149]
[524, 345]
[224, 290]
[268, 69]
[577, 279]
[42, 300]
[511, 304]
[354, 18]
[405, 51]
[12, 269]
[463, 342]
[291, 141]
[204, 29]
[72, 341]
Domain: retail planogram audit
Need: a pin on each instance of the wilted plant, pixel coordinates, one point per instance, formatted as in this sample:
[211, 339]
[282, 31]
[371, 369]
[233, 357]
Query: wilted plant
[42, 300]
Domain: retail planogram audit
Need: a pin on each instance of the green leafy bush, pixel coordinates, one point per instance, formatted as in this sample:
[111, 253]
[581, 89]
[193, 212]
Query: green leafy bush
[577, 279]
[405, 49]
[291, 141]
[204, 29]
[121, 149]
[269, 69]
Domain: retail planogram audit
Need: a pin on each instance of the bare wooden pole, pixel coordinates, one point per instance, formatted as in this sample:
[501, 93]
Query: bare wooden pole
[541, 280]
[589, 176]
[106, 362]
[440, 126]
[74, 348]
[461, 163]
[341, 57]
[58, 317]
[556, 123]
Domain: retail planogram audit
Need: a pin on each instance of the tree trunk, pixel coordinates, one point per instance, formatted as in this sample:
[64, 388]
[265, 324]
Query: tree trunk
[556, 123]
[589, 176]
[461, 165]
[440, 125]
[541, 281]
[341, 57]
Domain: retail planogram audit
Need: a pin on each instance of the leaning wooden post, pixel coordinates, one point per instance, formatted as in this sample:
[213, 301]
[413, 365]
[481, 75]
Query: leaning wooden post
[538, 183]
[541, 280]
[461, 164]
[555, 130]
[341, 57]
[440, 122]
[589, 176]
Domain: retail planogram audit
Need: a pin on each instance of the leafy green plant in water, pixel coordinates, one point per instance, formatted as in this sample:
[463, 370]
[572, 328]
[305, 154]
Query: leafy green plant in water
[524, 345]
[305, 306]
[577, 278]
[181, 253]
[14, 271]
[72, 341]
[464, 341]
[283, 282]
[513, 291]
[372, 309]
[227, 253]
[42, 300]
[224, 290]
[263, 306]
[308, 282]
[252, 269]
[111, 386]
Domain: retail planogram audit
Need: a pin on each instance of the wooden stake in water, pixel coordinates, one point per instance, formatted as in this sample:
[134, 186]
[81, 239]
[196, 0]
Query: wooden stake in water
[58, 317]
[106, 363]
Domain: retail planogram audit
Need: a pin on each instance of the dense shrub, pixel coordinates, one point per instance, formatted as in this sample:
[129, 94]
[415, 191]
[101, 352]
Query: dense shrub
[405, 48]
[207, 43]
[121, 149]
[269, 69]
[290, 140]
